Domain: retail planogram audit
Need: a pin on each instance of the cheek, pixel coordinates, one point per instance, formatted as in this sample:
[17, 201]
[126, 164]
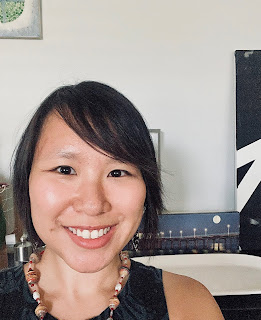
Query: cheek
[131, 199]
[44, 196]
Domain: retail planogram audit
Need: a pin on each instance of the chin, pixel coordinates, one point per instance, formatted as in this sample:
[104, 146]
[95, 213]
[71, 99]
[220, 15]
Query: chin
[87, 263]
[85, 268]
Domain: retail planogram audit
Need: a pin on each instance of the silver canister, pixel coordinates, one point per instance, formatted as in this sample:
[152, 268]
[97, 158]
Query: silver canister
[22, 250]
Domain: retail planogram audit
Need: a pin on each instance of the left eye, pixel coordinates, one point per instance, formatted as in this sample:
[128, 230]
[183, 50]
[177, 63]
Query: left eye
[118, 173]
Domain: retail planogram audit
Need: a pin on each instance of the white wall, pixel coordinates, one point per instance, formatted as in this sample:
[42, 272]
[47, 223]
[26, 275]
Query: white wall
[173, 59]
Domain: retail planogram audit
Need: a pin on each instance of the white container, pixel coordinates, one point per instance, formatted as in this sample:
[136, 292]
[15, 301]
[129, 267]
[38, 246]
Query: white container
[222, 273]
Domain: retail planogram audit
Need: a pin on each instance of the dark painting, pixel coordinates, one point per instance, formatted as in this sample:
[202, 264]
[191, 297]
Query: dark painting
[248, 143]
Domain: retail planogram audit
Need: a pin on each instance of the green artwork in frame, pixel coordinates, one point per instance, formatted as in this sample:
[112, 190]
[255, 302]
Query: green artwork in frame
[20, 19]
[10, 10]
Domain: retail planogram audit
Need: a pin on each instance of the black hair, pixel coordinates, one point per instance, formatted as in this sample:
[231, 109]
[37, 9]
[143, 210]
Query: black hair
[106, 120]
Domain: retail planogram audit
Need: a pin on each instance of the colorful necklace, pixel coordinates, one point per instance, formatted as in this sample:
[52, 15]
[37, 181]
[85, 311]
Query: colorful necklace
[32, 279]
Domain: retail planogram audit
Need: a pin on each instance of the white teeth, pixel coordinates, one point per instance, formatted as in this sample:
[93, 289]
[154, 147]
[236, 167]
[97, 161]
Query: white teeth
[106, 230]
[94, 234]
[86, 234]
[90, 234]
[74, 230]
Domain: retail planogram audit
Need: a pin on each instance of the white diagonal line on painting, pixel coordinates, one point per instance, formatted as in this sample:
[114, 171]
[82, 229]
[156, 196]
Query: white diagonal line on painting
[253, 176]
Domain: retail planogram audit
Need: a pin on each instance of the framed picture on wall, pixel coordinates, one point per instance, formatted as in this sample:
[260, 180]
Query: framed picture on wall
[248, 143]
[155, 136]
[20, 19]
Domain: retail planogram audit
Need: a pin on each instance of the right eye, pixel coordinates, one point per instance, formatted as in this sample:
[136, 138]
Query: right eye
[66, 170]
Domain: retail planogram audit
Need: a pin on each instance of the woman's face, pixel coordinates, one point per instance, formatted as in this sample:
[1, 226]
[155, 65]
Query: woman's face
[85, 205]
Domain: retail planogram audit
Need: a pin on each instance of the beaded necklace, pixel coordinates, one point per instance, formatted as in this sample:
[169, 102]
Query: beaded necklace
[32, 279]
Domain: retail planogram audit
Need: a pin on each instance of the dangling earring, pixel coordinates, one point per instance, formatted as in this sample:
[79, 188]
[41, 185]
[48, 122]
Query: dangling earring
[135, 241]
[35, 246]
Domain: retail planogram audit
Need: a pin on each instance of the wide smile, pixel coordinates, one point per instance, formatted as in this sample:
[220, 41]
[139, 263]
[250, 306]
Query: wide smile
[90, 234]
[91, 237]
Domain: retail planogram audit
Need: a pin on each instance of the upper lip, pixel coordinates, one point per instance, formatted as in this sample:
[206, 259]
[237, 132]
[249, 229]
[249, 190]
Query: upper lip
[91, 228]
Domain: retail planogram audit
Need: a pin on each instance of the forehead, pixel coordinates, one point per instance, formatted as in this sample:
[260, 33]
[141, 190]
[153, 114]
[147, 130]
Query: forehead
[55, 131]
[54, 127]
[58, 140]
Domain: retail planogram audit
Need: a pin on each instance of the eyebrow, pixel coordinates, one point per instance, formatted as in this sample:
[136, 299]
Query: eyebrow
[74, 155]
[67, 154]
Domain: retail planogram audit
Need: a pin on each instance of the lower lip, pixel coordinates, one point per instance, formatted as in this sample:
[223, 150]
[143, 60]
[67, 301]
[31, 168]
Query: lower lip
[91, 243]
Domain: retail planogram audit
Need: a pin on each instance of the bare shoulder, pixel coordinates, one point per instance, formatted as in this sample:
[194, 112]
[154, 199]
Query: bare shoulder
[188, 299]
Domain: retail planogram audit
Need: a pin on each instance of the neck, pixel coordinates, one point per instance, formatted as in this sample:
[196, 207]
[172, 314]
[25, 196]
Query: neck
[62, 287]
[53, 269]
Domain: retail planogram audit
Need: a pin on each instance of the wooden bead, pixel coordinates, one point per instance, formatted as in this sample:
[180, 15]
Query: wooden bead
[118, 287]
[126, 263]
[114, 303]
[31, 277]
[34, 258]
[124, 272]
[36, 295]
[124, 255]
[40, 311]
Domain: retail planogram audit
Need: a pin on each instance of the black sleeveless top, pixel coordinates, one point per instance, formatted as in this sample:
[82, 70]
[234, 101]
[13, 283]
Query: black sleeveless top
[142, 298]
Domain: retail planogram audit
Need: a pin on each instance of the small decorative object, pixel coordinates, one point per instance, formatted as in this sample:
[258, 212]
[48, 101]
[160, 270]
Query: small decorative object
[20, 19]
[22, 250]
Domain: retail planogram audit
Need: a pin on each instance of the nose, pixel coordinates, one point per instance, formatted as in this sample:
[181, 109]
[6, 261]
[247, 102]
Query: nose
[91, 198]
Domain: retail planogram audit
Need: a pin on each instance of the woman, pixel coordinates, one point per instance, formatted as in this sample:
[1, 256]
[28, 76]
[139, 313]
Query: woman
[84, 176]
